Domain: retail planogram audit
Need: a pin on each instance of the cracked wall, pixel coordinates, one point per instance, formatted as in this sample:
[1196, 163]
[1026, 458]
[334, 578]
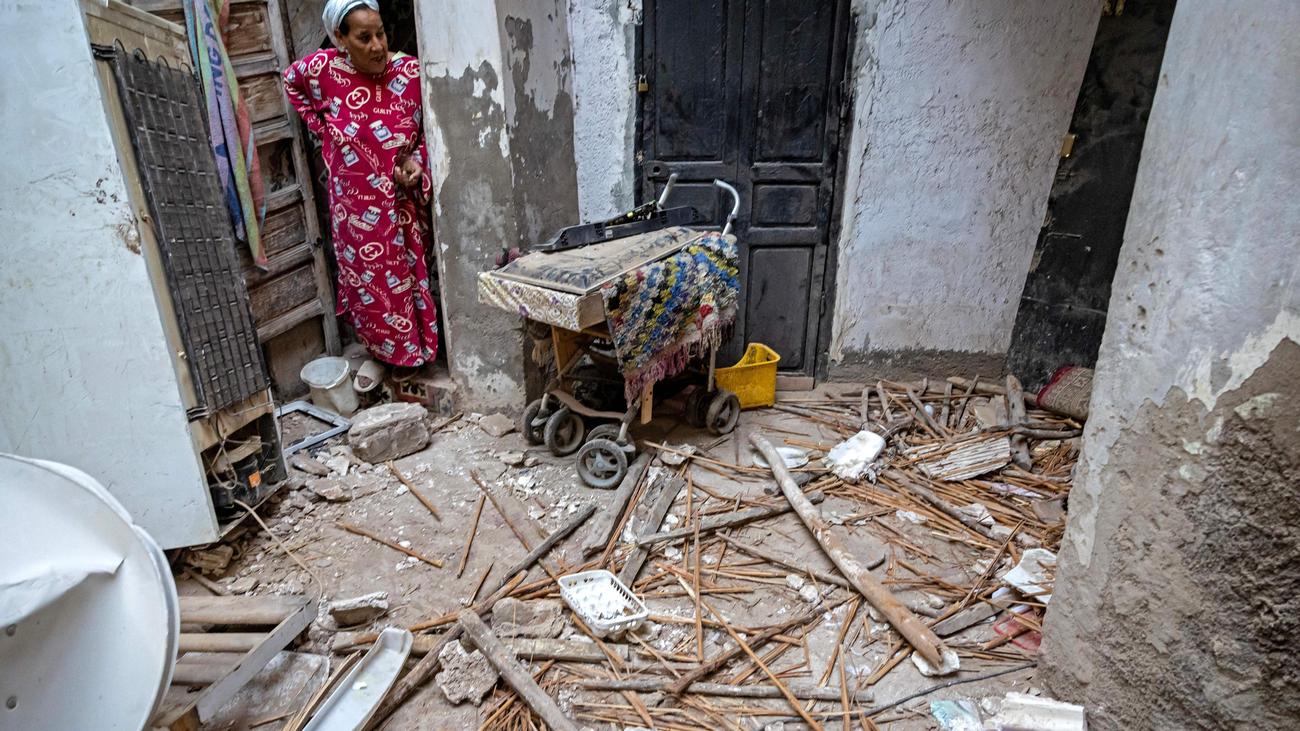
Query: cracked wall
[958, 116]
[1175, 603]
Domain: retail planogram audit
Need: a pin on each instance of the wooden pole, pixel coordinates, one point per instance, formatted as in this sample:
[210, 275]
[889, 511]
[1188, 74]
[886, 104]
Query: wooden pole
[428, 505]
[926, 642]
[1016, 416]
[725, 520]
[603, 526]
[358, 530]
[514, 674]
[722, 658]
[801, 691]
[431, 664]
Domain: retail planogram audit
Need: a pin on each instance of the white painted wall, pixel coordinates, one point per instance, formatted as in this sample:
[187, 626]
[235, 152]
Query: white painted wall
[960, 107]
[85, 374]
[602, 41]
[1208, 281]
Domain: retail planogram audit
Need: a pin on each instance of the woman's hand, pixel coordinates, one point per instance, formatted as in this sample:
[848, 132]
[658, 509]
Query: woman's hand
[407, 173]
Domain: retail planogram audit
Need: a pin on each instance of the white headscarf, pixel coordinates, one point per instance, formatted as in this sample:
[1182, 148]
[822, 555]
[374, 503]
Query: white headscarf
[336, 10]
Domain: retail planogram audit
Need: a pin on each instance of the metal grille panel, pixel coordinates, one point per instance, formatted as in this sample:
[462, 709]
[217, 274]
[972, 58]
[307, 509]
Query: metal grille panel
[168, 126]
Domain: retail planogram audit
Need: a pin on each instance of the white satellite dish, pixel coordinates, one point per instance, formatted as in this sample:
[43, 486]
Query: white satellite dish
[89, 617]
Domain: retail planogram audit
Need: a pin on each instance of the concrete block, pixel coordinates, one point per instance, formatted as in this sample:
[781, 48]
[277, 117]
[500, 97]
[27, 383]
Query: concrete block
[388, 431]
[359, 610]
[465, 676]
[497, 425]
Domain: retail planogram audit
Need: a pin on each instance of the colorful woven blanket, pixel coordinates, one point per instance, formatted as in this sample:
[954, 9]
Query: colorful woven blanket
[665, 313]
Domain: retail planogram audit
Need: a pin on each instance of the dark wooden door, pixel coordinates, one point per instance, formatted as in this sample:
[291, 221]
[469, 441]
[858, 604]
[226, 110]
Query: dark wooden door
[750, 91]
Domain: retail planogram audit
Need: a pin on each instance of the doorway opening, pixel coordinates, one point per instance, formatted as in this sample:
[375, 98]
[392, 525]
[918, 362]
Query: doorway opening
[1062, 313]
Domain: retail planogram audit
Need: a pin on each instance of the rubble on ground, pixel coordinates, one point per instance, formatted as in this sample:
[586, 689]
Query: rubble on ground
[941, 514]
[466, 676]
[359, 610]
[389, 431]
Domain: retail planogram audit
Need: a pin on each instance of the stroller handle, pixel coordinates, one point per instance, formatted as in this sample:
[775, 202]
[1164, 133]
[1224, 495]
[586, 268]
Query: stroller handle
[735, 204]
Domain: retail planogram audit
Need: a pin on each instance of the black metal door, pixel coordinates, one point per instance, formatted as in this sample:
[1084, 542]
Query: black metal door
[750, 91]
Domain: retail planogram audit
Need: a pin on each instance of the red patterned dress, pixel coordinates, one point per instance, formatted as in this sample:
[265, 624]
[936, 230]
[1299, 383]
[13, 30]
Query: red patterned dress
[367, 126]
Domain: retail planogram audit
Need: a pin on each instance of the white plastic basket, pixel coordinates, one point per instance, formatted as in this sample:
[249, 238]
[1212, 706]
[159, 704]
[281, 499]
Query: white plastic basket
[602, 601]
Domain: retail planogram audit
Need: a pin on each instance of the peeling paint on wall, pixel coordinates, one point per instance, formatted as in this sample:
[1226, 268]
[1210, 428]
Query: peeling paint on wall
[499, 125]
[536, 47]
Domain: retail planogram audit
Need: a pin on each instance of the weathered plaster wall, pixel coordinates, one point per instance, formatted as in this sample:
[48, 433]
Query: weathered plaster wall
[469, 150]
[603, 38]
[85, 373]
[539, 92]
[499, 125]
[958, 116]
[1176, 601]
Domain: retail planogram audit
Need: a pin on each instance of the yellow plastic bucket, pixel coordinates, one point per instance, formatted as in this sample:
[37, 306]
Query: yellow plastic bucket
[753, 379]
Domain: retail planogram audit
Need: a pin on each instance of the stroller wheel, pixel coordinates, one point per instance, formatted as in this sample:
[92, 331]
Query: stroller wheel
[563, 433]
[724, 412]
[602, 464]
[533, 422]
[697, 406]
[610, 432]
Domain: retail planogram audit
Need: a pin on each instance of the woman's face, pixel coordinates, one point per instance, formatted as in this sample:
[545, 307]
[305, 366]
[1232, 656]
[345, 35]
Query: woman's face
[365, 41]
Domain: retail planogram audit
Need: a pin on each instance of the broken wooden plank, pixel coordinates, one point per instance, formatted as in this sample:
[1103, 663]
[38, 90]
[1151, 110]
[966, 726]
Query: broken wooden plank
[926, 643]
[219, 641]
[238, 610]
[513, 673]
[972, 458]
[726, 520]
[604, 524]
[430, 664]
[358, 530]
[636, 559]
[802, 691]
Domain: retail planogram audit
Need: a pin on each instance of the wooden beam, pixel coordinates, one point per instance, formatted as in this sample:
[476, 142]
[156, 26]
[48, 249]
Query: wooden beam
[923, 640]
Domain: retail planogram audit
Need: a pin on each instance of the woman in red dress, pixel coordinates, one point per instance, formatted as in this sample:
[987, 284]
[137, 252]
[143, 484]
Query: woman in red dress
[364, 105]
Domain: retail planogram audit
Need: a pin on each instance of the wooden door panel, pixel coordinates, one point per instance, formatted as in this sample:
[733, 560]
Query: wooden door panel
[794, 79]
[690, 124]
[776, 301]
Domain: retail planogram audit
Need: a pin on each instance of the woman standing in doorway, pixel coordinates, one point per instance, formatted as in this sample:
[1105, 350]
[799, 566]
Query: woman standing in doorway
[364, 104]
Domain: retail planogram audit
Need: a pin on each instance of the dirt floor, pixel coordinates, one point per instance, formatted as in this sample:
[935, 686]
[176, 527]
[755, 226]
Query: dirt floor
[931, 561]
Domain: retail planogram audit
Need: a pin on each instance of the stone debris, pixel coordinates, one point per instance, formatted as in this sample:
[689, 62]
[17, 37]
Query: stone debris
[388, 432]
[679, 455]
[210, 561]
[242, 585]
[465, 676]
[330, 491]
[512, 459]
[359, 610]
[538, 618]
[497, 425]
[306, 463]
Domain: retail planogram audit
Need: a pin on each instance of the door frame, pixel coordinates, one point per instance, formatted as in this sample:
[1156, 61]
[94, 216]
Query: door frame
[816, 362]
